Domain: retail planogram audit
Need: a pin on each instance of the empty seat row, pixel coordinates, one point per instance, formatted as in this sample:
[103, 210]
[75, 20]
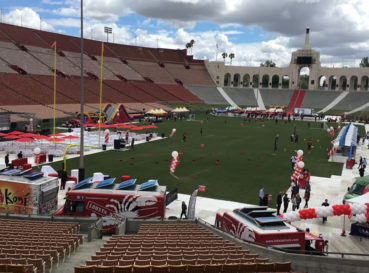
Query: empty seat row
[213, 268]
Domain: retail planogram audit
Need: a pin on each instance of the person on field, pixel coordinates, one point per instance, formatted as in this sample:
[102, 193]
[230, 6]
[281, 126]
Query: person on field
[184, 210]
[286, 200]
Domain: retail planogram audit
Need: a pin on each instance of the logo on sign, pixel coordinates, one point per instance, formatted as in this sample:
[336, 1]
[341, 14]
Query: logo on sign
[96, 208]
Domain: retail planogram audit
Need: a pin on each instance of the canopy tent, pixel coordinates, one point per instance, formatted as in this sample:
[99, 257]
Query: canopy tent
[157, 112]
[347, 136]
[347, 139]
[180, 110]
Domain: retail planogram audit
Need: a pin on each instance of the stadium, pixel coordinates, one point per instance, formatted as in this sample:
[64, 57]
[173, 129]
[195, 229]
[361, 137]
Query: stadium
[232, 143]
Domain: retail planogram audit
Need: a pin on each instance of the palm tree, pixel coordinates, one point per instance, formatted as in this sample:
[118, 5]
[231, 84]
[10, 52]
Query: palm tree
[224, 55]
[364, 62]
[188, 45]
[231, 56]
[191, 44]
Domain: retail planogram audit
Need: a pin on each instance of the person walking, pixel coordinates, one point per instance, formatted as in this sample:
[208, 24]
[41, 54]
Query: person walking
[184, 210]
[285, 202]
[296, 139]
[279, 202]
[307, 198]
[261, 196]
[361, 171]
[360, 163]
[201, 131]
[7, 159]
[292, 138]
[364, 163]
[309, 144]
[325, 204]
[293, 161]
[266, 200]
[294, 202]
[276, 142]
[184, 137]
[298, 201]
[133, 143]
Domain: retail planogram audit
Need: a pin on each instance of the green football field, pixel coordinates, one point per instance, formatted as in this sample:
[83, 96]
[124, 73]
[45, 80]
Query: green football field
[244, 149]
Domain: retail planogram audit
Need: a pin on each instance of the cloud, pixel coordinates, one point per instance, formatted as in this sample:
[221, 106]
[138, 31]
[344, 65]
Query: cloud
[26, 17]
[51, 2]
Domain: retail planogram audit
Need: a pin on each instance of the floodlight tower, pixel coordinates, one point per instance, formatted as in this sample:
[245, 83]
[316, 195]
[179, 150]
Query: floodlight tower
[108, 30]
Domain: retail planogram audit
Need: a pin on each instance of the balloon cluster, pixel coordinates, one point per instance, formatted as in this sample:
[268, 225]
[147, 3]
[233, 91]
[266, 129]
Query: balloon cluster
[334, 148]
[360, 210]
[299, 165]
[174, 163]
[330, 131]
[107, 135]
[173, 132]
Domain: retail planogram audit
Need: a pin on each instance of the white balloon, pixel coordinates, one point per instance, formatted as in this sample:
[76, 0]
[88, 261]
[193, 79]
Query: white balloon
[174, 154]
[301, 164]
[328, 130]
[174, 129]
[37, 150]
[107, 131]
[300, 152]
[331, 128]
[336, 144]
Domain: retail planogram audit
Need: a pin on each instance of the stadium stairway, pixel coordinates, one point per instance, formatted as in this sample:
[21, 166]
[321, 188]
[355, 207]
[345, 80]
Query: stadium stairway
[296, 100]
[360, 108]
[259, 99]
[226, 97]
[334, 102]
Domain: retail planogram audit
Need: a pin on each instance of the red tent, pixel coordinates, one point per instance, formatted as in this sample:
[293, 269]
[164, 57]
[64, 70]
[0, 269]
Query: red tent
[15, 133]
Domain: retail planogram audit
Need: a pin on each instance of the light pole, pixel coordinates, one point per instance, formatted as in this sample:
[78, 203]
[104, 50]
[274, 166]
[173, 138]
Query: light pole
[108, 30]
[81, 172]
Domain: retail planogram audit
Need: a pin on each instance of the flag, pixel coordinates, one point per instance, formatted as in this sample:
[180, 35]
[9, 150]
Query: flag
[201, 188]
[53, 44]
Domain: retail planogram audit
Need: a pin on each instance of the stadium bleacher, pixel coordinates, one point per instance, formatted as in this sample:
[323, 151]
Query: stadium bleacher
[11, 54]
[210, 95]
[152, 71]
[243, 96]
[36, 246]
[118, 68]
[176, 248]
[180, 92]
[352, 101]
[319, 99]
[276, 96]
[195, 75]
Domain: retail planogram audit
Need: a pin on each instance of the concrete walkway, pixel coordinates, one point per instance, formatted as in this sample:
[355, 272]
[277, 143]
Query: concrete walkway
[79, 257]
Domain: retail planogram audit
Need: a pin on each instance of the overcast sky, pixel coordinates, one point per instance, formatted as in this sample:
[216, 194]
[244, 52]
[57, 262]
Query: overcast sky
[254, 30]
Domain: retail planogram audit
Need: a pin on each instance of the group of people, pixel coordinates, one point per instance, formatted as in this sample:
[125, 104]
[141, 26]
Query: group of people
[263, 197]
[296, 199]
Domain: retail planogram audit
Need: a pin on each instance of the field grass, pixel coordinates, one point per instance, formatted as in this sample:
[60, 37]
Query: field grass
[244, 150]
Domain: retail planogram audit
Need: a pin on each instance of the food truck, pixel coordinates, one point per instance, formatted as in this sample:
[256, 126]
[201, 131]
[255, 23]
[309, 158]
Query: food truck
[28, 192]
[115, 201]
[259, 225]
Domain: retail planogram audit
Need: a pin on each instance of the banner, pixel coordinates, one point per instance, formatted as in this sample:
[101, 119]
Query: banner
[192, 205]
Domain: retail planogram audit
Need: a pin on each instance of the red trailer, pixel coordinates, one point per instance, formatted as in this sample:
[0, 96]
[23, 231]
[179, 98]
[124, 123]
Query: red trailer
[257, 224]
[114, 202]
